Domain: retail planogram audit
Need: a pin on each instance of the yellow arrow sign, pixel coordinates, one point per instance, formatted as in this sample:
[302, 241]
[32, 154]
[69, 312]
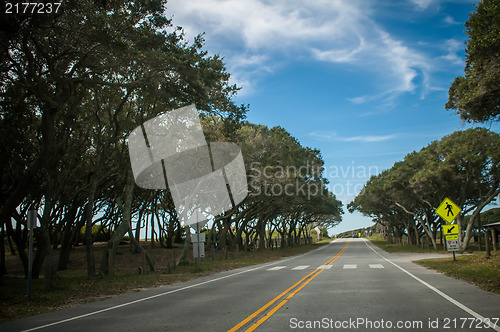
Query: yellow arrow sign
[450, 229]
[448, 210]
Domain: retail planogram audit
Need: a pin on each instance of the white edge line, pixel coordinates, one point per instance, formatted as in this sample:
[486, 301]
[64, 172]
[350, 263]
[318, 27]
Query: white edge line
[135, 301]
[449, 298]
[165, 293]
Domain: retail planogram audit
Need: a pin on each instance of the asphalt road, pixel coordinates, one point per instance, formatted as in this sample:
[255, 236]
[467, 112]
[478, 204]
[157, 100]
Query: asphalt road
[348, 285]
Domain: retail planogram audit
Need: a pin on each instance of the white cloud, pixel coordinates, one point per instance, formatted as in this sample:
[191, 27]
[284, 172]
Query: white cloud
[368, 138]
[258, 36]
[339, 55]
[450, 20]
[362, 138]
[244, 68]
[422, 4]
[453, 46]
[402, 61]
[397, 66]
[265, 24]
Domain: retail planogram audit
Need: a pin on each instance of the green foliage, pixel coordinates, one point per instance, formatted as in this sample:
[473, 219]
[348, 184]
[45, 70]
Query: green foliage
[476, 96]
[73, 85]
[285, 179]
[463, 166]
[284, 176]
[183, 262]
[99, 234]
[488, 217]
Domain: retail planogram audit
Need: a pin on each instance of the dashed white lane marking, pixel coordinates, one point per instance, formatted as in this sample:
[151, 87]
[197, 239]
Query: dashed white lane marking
[93, 313]
[376, 266]
[301, 267]
[324, 267]
[276, 268]
[350, 266]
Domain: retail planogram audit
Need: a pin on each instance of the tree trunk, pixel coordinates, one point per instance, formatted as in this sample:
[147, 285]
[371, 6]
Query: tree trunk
[44, 252]
[283, 242]
[3, 268]
[169, 236]
[187, 245]
[487, 243]
[161, 234]
[140, 249]
[178, 235]
[494, 239]
[262, 233]
[417, 235]
[138, 228]
[240, 231]
[425, 225]
[223, 233]
[89, 250]
[67, 238]
[47, 258]
[19, 236]
[211, 241]
[153, 232]
[123, 228]
[468, 234]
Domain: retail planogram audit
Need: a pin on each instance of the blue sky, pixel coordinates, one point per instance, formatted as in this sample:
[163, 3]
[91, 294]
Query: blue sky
[363, 81]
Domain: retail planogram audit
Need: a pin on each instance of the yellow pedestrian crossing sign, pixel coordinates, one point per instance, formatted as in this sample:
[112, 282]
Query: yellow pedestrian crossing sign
[448, 210]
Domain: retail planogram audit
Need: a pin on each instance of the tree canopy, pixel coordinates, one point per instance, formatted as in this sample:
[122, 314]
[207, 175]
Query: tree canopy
[74, 84]
[476, 95]
[463, 166]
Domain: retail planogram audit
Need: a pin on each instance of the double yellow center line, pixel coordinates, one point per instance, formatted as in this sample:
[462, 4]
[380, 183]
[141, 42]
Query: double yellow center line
[289, 293]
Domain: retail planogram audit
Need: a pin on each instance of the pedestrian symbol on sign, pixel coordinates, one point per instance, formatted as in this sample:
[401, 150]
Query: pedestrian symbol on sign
[449, 209]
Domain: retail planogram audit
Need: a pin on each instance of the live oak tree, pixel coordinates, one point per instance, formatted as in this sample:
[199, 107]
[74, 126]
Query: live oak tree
[476, 95]
[286, 185]
[462, 166]
[471, 163]
[73, 85]
[287, 193]
[376, 201]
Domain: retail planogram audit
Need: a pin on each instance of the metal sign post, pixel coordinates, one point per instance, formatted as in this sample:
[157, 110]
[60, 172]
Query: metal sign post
[452, 245]
[32, 214]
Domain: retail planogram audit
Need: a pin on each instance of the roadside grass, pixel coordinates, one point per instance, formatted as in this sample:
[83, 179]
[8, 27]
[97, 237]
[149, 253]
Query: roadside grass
[377, 240]
[428, 248]
[475, 269]
[73, 286]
